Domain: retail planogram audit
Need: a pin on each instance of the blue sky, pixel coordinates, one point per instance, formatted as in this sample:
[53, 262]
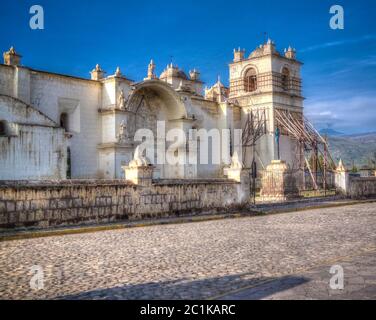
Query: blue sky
[339, 72]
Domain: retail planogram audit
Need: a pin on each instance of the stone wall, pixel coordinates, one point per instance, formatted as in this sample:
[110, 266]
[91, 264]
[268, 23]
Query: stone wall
[47, 204]
[36, 152]
[360, 187]
[33, 146]
[6, 79]
[354, 186]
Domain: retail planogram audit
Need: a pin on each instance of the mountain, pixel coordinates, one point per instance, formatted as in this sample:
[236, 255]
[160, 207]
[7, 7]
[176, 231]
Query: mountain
[330, 132]
[360, 148]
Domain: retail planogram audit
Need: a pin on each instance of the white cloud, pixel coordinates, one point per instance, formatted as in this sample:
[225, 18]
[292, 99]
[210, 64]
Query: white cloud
[338, 43]
[326, 113]
[356, 114]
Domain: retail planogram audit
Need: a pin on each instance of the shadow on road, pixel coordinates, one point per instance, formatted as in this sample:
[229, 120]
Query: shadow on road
[198, 289]
[267, 289]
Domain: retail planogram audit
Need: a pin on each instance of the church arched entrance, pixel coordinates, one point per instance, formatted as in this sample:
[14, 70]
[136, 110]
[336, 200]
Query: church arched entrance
[154, 102]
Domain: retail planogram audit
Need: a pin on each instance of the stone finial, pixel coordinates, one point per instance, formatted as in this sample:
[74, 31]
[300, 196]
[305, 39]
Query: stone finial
[269, 47]
[181, 86]
[118, 72]
[97, 73]
[341, 167]
[236, 163]
[342, 179]
[239, 55]
[11, 57]
[290, 53]
[194, 75]
[234, 171]
[151, 71]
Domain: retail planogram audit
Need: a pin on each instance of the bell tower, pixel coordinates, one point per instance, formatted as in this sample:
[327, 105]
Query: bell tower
[262, 83]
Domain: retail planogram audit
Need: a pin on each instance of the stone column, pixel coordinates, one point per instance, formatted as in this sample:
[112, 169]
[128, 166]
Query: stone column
[278, 183]
[341, 179]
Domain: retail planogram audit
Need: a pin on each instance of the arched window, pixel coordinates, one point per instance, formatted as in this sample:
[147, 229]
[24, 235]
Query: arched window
[64, 121]
[250, 80]
[3, 128]
[285, 79]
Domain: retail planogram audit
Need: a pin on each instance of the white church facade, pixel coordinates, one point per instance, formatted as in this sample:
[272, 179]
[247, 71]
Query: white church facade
[55, 126]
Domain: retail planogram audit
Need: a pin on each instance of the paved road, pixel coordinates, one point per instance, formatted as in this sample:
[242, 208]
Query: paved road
[199, 260]
[358, 274]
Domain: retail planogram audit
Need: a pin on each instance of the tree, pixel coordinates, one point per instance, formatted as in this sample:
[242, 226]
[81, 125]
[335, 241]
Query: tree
[354, 168]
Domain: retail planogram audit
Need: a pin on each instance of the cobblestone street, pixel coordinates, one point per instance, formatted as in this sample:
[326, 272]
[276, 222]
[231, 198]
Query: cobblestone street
[359, 283]
[201, 260]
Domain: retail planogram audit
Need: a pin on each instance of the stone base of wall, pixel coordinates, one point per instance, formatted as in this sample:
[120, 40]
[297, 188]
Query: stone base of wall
[25, 204]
